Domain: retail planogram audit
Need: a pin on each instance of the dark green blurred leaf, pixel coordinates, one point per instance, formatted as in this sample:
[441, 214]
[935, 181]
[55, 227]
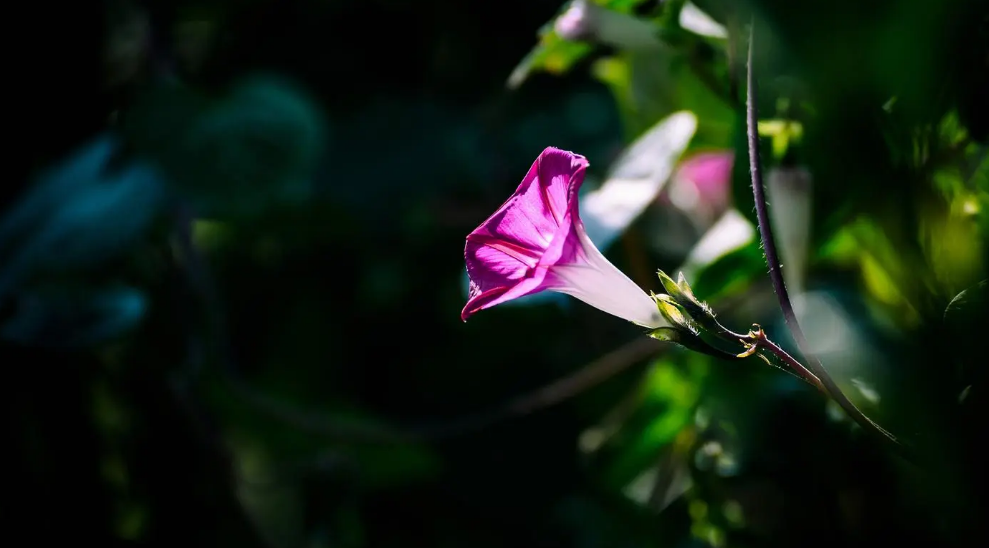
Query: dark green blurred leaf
[968, 311]
[553, 55]
[671, 391]
[618, 524]
[237, 155]
[159, 120]
[79, 214]
[63, 316]
[732, 272]
[257, 147]
[649, 85]
[397, 466]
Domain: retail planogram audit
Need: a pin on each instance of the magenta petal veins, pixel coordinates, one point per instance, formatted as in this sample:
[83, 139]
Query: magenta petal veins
[536, 242]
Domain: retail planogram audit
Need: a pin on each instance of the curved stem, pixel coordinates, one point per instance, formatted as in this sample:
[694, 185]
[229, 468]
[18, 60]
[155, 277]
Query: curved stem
[758, 339]
[775, 270]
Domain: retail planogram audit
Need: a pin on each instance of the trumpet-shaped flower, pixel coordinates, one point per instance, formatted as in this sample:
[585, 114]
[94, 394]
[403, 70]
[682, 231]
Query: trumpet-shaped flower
[536, 242]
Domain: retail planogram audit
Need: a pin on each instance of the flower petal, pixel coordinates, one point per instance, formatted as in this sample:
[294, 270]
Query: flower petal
[561, 174]
[592, 278]
[500, 271]
[481, 298]
[534, 212]
[508, 254]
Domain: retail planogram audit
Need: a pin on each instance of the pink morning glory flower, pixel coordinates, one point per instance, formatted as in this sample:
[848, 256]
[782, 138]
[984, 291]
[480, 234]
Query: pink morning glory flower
[536, 242]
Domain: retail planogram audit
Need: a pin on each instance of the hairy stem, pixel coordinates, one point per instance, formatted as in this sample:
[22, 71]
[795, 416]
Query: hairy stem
[758, 339]
[776, 272]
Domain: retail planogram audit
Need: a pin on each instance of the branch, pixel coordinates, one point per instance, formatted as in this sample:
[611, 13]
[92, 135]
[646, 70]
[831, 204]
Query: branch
[776, 272]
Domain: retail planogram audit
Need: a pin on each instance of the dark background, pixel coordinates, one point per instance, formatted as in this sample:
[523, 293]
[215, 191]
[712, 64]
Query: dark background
[297, 373]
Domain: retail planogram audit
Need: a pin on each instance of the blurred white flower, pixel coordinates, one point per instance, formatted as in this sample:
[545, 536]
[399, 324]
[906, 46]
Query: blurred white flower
[587, 21]
[789, 192]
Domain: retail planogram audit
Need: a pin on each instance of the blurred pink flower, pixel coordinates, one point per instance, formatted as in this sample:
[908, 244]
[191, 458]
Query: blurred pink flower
[536, 242]
[702, 183]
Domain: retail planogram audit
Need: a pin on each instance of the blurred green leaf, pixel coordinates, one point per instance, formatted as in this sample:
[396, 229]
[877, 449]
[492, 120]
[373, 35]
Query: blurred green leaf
[782, 133]
[967, 306]
[553, 55]
[967, 320]
[259, 146]
[614, 523]
[235, 155]
[65, 316]
[79, 214]
[293, 428]
[732, 272]
[556, 55]
[649, 85]
[389, 467]
[980, 174]
[671, 391]
[967, 315]
[622, 6]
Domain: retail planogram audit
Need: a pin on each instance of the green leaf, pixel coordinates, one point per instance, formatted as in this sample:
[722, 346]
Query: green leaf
[732, 272]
